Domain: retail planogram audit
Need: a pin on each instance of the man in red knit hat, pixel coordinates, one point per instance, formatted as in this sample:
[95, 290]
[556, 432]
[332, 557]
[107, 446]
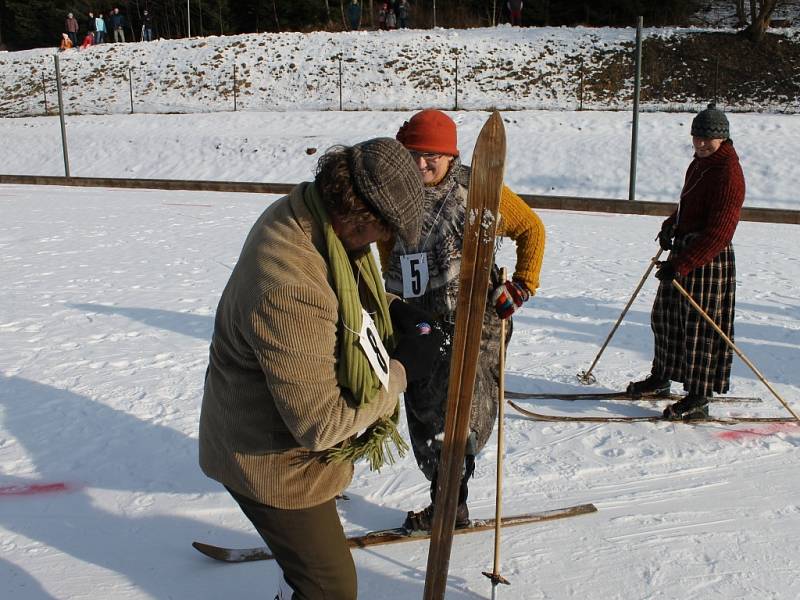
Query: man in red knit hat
[426, 276]
[699, 234]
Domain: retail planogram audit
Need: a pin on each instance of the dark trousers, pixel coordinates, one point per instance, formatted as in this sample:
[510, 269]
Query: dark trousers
[309, 545]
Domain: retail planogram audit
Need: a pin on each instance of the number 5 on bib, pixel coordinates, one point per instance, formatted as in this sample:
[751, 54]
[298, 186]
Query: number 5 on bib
[414, 268]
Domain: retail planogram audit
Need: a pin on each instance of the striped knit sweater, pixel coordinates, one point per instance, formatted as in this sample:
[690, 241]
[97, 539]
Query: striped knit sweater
[711, 200]
[272, 402]
[518, 222]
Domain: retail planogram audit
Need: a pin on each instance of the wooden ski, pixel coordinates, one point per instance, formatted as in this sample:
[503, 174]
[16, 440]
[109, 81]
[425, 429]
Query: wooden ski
[535, 416]
[483, 201]
[621, 397]
[397, 535]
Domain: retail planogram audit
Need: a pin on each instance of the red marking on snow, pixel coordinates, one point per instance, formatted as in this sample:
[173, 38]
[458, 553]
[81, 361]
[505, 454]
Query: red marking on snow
[34, 488]
[740, 434]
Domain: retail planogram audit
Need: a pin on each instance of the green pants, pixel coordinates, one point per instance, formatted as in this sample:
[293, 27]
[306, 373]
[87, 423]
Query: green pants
[309, 545]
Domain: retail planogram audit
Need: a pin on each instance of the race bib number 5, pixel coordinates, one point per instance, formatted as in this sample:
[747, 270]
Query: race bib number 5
[414, 268]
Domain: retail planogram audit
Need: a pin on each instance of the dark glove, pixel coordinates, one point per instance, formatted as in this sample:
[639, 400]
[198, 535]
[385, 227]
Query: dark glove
[406, 317]
[417, 353]
[665, 237]
[508, 297]
[666, 271]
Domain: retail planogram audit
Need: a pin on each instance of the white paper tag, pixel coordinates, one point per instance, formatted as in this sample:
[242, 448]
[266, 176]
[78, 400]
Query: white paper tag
[414, 268]
[373, 347]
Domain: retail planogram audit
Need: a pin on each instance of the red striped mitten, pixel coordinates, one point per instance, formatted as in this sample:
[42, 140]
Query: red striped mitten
[509, 296]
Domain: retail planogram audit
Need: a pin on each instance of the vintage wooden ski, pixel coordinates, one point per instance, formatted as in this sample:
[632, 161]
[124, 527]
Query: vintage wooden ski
[397, 535]
[483, 201]
[621, 396]
[535, 416]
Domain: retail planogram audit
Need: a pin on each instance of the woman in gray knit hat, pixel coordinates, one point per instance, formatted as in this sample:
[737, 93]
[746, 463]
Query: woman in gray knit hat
[698, 234]
[306, 354]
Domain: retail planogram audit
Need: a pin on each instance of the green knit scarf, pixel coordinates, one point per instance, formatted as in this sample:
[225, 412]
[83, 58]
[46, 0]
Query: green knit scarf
[354, 371]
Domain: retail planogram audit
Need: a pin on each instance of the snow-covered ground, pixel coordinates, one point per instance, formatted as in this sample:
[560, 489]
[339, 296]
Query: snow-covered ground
[108, 299]
[106, 311]
[550, 152]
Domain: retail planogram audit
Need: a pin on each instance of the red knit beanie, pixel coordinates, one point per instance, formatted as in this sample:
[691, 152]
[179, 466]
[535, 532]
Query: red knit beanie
[430, 131]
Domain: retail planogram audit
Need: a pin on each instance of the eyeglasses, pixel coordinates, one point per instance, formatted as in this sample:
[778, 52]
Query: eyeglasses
[428, 157]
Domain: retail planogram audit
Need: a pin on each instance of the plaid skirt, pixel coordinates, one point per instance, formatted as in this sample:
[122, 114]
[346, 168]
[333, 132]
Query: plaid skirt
[426, 400]
[687, 348]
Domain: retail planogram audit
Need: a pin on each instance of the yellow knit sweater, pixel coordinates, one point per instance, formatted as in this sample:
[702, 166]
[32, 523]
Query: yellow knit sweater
[518, 222]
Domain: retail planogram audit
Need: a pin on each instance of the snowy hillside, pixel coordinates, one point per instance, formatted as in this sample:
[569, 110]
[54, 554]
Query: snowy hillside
[503, 67]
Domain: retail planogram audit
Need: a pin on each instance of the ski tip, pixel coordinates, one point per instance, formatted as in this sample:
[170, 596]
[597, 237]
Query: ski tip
[233, 555]
[495, 129]
[214, 552]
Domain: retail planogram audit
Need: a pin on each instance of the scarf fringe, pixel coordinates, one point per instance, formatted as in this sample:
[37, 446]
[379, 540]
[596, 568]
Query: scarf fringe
[374, 445]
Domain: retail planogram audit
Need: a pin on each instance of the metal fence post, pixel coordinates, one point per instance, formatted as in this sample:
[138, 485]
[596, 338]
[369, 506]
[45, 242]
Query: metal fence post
[234, 87]
[130, 85]
[580, 90]
[635, 130]
[456, 104]
[340, 82]
[61, 116]
[44, 91]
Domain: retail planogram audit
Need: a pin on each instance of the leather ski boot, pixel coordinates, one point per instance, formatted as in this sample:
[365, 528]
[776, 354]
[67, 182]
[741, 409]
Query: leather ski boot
[652, 385]
[691, 408]
[423, 520]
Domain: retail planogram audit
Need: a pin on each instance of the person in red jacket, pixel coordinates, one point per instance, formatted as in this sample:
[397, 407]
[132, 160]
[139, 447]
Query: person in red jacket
[88, 40]
[698, 234]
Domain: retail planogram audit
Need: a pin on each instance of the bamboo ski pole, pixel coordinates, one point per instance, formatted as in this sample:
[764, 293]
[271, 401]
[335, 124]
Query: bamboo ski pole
[732, 346]
[495, 576]
[586, 377]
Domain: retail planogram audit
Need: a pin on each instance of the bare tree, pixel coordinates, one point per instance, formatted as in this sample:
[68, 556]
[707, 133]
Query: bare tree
[275, 13]
[741, 17]
[760, 16]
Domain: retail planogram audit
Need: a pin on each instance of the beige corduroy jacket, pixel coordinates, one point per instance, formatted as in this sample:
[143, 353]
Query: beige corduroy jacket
[271, 402]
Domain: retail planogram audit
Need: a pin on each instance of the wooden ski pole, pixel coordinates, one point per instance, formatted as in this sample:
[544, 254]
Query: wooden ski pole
[732, 346]
[586, 377]
[498, 502]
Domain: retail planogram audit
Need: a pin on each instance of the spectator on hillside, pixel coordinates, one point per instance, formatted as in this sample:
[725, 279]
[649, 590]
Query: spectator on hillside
[402, 14]
[88, 40]
[66, 43]
[515, 10]
[391, 20]
[382, 12]
[354, 15]
[99, 29]
[147, 27]
[71, 26]
[118, 24]
[90, 26]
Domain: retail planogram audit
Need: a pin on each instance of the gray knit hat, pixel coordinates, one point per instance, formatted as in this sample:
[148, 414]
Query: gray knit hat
[384, 174]
[711, 123]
